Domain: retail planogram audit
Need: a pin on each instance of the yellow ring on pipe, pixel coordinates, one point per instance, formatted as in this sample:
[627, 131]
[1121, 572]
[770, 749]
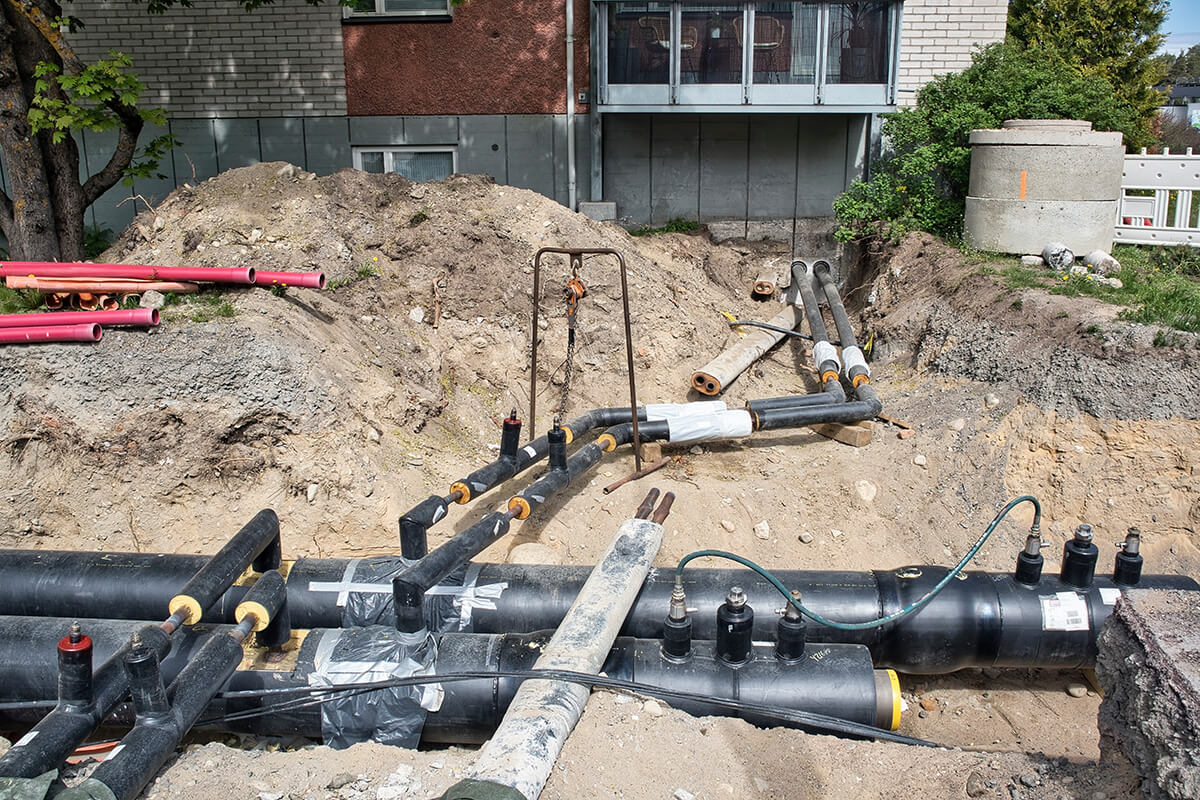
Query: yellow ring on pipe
[261, 616]
[607, 442]
[186, 606]
[520, 506]
[569, 432]
[464, 493]
[895, 681]
[829, 375]
[859, 380]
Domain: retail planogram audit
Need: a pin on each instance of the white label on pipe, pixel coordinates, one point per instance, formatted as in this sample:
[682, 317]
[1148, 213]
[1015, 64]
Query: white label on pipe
[1109, 595]
[438, 513]
[26, 739]
[477, 486]
[529, 451]
[1064, 611]
[113, 753]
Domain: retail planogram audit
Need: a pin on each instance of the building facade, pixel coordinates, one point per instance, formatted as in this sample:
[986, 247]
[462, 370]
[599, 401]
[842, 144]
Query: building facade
[708, 111]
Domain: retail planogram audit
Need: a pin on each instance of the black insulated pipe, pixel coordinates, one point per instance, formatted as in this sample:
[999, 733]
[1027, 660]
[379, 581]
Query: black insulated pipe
[802, 281]
[852, 356]
[1127, 571]
[58, 734]
[410, 586]
[146, 687]
[415, 524]
[790, 401]
[75, 668]
[256, 544]
[1080, 555]
[867, 406]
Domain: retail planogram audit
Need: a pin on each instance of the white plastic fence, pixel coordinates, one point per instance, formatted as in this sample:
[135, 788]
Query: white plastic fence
[1160, 200]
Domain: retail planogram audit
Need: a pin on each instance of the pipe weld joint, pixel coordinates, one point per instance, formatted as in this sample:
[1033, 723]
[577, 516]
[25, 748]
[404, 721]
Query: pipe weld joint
[607, 442]
[464, 492]
[262, 617]
[519, 506]
[186, 607]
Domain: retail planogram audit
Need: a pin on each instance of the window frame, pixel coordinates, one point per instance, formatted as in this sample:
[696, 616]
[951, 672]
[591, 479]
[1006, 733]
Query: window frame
[390, 150]
[443, 12]
[821, 94]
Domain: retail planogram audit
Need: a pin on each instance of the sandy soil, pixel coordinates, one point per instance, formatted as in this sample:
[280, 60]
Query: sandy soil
[170, 440]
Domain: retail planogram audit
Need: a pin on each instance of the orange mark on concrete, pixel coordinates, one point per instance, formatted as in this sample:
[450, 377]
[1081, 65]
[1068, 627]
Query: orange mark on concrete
[1024, 175]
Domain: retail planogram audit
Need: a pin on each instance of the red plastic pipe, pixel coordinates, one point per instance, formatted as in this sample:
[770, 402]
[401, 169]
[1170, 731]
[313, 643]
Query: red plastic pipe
[53, 269]
[100, 285]
[308, 280]
[52, 333]
[130, 316]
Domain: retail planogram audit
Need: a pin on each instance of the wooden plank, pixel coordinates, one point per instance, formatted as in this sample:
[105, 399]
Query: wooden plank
[855, 435]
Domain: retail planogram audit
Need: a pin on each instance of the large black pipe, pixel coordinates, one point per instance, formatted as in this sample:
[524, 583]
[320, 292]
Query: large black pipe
[867, 406]
[986, 619]
[838, 311]
[836, 680]
[823, 352]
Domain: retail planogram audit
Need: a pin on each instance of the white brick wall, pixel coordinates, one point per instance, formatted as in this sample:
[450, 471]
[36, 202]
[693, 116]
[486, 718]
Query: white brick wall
[938, 36]
[215, 59]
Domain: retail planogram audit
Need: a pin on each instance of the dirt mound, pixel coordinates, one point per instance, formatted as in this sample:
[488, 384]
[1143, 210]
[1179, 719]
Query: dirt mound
[1069, 354]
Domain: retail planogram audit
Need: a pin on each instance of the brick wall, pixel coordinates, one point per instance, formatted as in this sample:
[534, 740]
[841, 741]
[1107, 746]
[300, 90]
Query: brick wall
[938, 36]
[216, 60]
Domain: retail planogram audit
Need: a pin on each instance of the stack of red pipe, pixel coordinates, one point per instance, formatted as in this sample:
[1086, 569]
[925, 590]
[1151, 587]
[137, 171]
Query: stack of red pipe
[70, 326]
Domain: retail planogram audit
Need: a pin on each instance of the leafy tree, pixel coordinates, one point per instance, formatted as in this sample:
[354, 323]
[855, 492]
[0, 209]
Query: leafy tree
[922, 183]
[1184, 68]
[1116, 39]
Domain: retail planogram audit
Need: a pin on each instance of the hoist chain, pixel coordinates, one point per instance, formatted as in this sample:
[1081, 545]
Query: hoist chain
[573, 292]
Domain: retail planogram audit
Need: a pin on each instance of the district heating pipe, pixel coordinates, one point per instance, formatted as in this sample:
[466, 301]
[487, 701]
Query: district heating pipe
[53, 269]
[986, 619]
[836, 680]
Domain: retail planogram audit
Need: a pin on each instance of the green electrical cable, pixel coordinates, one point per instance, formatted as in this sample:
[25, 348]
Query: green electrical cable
[875, 623]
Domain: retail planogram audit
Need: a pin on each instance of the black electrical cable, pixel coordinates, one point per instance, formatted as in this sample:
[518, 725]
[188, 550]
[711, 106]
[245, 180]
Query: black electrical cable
[808, 719]
[777, 329]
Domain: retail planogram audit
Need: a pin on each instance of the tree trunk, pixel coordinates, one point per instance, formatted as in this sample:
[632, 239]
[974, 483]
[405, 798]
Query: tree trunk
[43, 215]
[27, 217]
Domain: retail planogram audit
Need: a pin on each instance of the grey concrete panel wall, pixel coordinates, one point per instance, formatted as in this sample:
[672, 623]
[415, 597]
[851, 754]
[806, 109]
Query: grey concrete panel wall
[583, 158]
[430, 130]
[531, 153]
[282, 139]
[858, 146]
[772, 166]
[674, 167]
[237, 143]
[822, 144]
[154, 189]
[327, 144]
[627, 165]
[724, 181]
[483, 146]
[108, 211]
[376, 130]
[195, 157]
[214, 59]
[561, 176]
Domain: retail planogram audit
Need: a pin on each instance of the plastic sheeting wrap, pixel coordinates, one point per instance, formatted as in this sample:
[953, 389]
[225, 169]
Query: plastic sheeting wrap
[448, 605]
[392, 716]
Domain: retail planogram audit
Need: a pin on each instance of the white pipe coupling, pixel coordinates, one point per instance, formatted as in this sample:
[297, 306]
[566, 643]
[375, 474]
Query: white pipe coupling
[731, 424]
[855, 358]
[661, 411]
[824, 351]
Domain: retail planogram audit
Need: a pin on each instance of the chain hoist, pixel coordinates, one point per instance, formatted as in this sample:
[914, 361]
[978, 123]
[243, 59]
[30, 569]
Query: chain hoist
[573, 292]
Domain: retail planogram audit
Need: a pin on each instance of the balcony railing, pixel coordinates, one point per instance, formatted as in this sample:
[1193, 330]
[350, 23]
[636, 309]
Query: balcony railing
[683, 56]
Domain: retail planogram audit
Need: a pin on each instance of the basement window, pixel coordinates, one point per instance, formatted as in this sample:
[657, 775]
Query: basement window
[358, 9]
[414, 163]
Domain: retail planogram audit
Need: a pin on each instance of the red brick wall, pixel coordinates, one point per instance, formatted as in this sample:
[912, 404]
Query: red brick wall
[495, 57]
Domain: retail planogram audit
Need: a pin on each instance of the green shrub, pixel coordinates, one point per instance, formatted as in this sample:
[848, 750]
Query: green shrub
[676, 225]
[921, 184]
